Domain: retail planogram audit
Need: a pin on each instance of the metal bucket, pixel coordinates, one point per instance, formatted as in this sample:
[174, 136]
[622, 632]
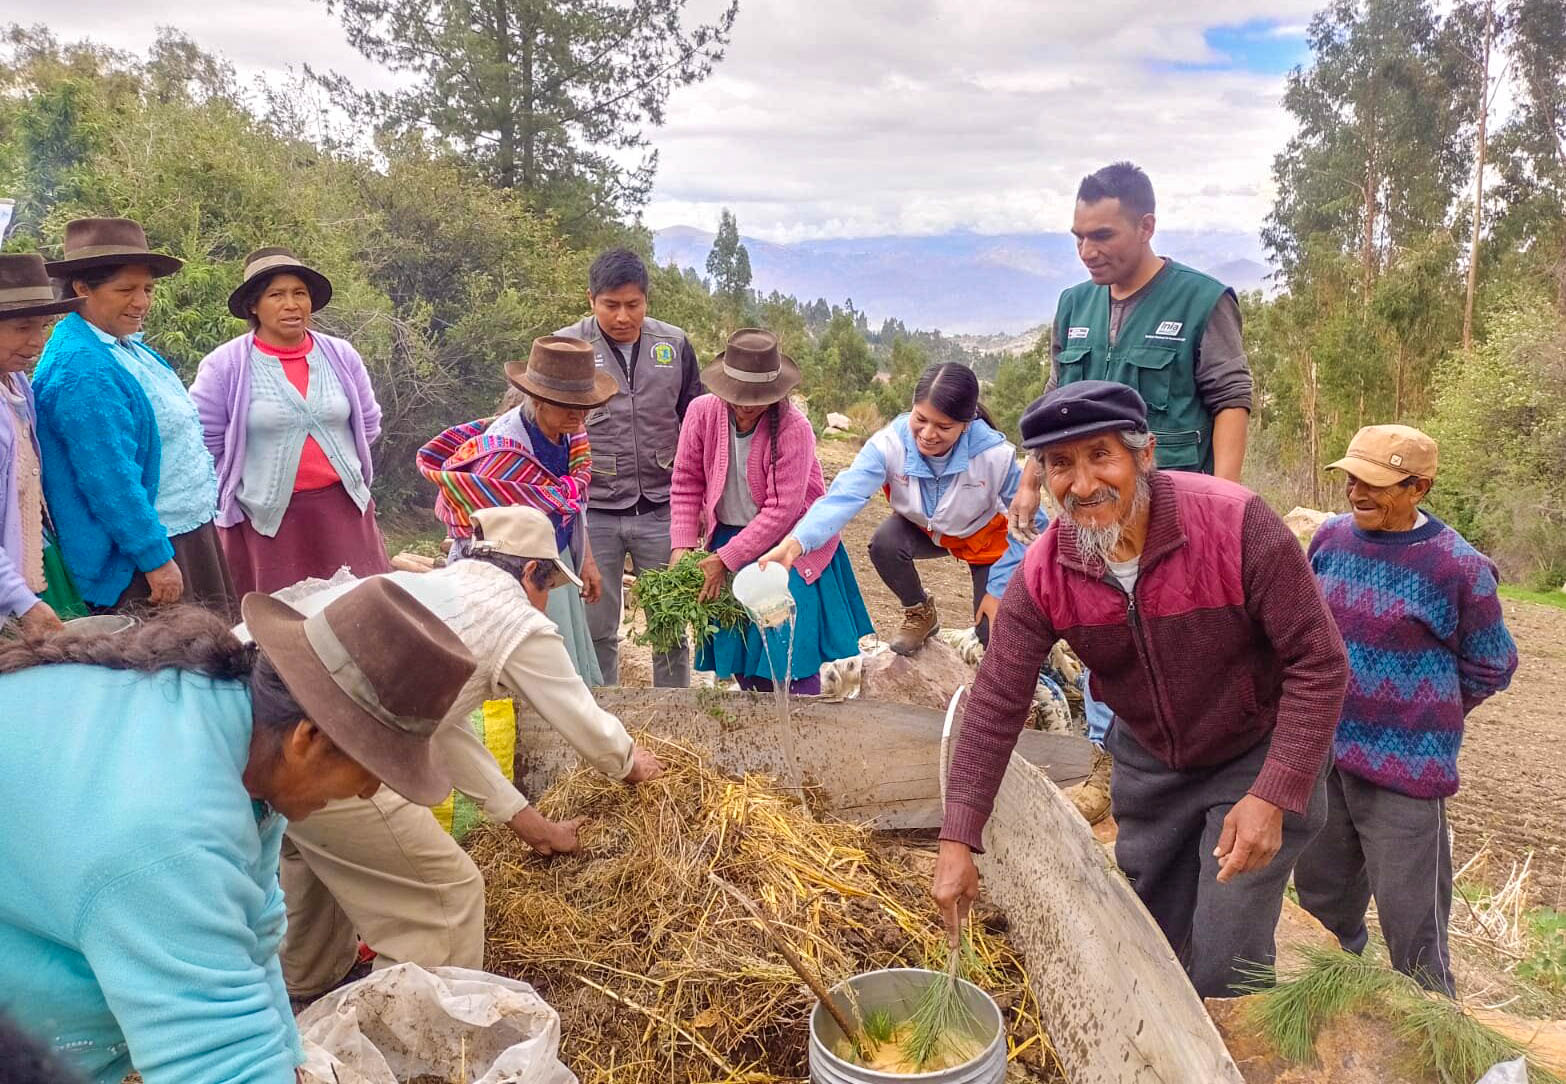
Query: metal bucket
[897, 991]
[100, 624]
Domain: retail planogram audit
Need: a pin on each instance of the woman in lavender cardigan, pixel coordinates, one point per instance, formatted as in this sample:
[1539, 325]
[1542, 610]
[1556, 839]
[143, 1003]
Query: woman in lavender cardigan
[289, 417]
[745, 472]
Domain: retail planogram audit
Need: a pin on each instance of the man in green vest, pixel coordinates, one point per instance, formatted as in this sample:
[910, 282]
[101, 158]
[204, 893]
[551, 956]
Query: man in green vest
[1168, 331]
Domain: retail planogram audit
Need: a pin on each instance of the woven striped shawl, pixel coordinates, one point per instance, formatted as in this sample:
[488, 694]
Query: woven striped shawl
[473, 470]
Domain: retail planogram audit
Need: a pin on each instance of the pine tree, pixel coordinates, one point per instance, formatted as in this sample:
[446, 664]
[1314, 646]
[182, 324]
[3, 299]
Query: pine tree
[729, 263]
[538, 93]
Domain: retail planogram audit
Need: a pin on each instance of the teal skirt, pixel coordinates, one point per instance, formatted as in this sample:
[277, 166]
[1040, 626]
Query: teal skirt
[829, 619]
[567, 610]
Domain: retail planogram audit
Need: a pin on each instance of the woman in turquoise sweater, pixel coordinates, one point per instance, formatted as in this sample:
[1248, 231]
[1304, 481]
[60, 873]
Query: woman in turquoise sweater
[144, 781]
[126, 472]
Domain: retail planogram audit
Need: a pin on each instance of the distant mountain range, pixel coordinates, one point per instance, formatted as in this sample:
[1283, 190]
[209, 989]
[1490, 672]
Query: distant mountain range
[962, 283]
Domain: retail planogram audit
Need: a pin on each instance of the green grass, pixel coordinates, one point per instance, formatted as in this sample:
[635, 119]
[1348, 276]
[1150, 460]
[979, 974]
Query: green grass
[1545, 963]
[1556, 599]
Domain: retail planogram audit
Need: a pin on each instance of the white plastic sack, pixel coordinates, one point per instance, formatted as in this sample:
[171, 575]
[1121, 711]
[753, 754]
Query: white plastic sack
[1507, 1072]
[449, 1023]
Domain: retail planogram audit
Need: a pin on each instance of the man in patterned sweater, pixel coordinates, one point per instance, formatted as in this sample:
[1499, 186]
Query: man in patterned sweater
[1417, 607]
[1194, 608]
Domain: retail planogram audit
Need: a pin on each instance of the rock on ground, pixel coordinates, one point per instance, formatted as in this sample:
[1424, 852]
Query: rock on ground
[928, 678]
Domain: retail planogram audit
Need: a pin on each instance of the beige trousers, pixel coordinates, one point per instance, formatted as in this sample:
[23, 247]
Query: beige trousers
[384, 870]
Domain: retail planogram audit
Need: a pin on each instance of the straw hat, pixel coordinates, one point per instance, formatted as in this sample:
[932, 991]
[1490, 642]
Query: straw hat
[563, 371]
[751, 371]
[25, 289]
[109, 242]
[261, 265]
[376, 671]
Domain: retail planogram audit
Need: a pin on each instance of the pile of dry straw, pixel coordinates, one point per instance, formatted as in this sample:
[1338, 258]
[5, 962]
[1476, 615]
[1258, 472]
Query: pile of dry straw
[660, 976]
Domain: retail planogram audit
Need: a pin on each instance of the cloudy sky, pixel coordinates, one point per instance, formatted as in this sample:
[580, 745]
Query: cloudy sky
[852, 118]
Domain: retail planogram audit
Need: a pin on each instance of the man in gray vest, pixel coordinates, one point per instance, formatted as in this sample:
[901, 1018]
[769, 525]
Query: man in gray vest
[1168, 331]
[633, 437]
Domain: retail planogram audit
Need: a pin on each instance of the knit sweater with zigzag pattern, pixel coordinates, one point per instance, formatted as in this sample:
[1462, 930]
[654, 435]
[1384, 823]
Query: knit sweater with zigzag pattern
[1426, 643]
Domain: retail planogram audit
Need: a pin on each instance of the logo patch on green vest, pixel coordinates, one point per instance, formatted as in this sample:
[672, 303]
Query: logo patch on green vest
[663, 355]
[1077, 332]
[1169, 327]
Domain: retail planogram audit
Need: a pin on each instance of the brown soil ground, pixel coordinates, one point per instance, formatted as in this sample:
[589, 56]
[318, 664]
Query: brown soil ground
[1513, 763]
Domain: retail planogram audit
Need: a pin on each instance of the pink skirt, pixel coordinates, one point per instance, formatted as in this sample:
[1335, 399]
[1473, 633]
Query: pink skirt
[322, 531]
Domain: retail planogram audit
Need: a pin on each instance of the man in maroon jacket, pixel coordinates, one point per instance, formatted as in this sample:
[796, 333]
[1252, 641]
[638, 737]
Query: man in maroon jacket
[1196, 611]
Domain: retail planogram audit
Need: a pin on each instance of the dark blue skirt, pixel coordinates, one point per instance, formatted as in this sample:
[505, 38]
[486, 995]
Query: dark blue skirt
[829, 619]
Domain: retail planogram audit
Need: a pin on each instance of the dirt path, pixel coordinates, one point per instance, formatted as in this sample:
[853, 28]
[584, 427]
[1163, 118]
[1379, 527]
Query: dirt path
[1513, 762]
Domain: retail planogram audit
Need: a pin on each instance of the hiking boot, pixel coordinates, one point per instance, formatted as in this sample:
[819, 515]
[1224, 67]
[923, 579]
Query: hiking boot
[1091, 796]
[919, 624]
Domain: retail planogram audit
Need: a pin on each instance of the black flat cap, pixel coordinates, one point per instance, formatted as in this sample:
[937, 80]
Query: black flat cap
[1082, 409]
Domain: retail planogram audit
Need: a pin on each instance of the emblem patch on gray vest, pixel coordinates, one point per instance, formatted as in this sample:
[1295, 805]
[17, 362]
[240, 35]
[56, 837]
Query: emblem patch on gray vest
[663, 355]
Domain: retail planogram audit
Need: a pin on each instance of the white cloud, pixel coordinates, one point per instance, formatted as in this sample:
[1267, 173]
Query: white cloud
[884, 116]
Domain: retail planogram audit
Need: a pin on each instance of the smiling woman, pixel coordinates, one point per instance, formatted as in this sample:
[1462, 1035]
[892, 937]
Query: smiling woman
[289, 415]
[127, 479]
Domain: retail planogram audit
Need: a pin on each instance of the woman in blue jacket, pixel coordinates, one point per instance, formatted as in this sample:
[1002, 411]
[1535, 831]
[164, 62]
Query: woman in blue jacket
[144, 781]
[127, 474]
[949, 477]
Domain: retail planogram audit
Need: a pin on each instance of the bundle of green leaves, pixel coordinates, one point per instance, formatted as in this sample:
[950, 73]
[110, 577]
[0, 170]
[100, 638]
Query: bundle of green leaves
[670, 603]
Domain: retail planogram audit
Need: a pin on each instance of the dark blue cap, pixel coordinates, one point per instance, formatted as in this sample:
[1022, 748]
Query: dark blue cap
[1082, 409]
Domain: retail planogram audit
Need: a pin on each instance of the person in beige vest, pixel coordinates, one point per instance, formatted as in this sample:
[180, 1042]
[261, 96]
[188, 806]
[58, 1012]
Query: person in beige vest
[382, 869]
[28, 309]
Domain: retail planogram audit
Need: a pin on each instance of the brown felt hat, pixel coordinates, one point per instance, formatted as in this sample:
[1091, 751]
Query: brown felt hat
[751, 371]
[109, 242]
[376, 671]
[261, 265]
[563, 371]
[25, 289]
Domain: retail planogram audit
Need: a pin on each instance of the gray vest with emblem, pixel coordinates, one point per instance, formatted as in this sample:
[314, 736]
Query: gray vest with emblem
[633, 435]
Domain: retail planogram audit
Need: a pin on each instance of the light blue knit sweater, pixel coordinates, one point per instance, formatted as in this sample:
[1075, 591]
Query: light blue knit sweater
[140, 913]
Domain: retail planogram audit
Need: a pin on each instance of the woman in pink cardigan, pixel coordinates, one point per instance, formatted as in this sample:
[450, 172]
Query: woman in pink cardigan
[744, 473]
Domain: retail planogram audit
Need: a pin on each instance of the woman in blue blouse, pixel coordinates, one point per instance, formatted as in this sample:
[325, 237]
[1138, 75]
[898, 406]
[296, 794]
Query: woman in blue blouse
[127, 474]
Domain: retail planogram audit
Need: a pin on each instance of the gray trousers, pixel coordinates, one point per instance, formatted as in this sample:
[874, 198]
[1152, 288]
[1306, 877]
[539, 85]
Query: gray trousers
[1382, 844]
[645, 538]
[1169, 827]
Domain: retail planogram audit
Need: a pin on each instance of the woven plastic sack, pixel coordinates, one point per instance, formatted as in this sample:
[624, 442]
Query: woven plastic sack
[449, 1023]
[495, 723]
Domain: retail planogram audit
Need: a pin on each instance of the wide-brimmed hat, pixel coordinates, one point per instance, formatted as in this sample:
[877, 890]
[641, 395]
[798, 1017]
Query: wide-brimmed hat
[751, 371]
[25, 289]
[1383, 455]
[563, 371]
[1081, 409]
[376, 671]
[261, 265]
[109, 242]
[519, 531]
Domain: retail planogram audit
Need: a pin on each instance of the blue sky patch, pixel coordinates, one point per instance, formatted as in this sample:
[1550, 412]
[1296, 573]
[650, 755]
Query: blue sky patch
[1264, 46]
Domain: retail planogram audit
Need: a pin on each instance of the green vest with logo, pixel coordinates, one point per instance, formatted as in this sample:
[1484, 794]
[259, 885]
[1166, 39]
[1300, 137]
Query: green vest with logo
[1155, 353]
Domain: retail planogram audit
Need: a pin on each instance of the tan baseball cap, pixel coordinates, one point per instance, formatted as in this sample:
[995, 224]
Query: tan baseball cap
[1383, 455]
[519, 531]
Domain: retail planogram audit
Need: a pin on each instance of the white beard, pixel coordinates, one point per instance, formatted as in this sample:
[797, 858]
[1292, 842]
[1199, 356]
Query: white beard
[1095, 544]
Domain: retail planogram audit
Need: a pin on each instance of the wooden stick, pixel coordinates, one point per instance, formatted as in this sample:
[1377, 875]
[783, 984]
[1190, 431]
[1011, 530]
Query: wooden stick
[850, 1032]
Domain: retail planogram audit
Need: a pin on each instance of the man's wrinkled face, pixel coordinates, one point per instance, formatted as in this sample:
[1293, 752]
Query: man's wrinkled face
[1103, 489]
[1386, 508]
[1093, 479]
